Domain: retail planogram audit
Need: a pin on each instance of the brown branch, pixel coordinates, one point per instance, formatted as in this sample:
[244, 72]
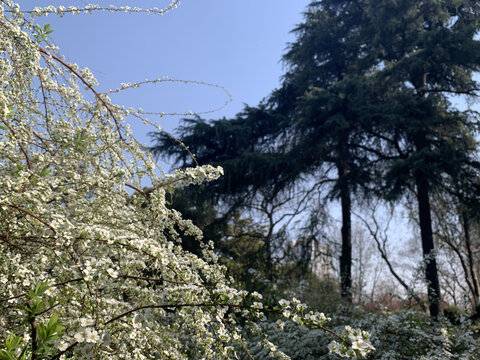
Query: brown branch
[5, 238]
[13, 297]
[44, 96]
[178, 306]
[41, 139]
[138, 190]
[47, 310]
[65, 351]
[146, 193]
[176, 282]
[33, 328]
[19, 144]
[172, 182]
[32, 215]
[75, 72]
[67, 282]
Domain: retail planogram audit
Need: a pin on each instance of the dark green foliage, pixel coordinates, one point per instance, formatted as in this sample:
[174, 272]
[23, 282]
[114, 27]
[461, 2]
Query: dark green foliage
[242, 146]
[426, 56]
[452, 313]
[245, 255]
[365, 106]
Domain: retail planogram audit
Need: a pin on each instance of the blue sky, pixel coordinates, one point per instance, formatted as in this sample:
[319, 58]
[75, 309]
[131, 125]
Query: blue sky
[235, 44]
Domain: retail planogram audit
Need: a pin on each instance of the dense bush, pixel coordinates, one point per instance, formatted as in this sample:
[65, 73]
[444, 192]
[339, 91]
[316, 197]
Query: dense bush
[401, 335]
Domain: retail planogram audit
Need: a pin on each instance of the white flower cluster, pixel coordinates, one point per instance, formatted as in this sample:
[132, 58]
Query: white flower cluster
[190, 176]
[295, 311]
[70, 219]
[90, 8]
[355, 344]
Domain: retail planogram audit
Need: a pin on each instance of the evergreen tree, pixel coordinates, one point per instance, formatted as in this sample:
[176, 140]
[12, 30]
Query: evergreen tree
[307, 125]
[428, 53]
[365, 92]
[321, 94]
[252, 173]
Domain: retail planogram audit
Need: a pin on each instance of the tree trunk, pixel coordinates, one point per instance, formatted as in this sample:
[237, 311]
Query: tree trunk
[268, 246]
[468, 246]
[431, 273]
[346, 203]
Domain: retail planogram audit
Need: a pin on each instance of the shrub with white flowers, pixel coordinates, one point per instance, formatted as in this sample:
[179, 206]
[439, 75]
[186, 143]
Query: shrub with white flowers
[91, 266]
[403, 335]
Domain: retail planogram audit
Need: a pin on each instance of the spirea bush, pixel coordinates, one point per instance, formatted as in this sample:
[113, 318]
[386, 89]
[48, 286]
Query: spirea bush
[413, 335]
[91, 266]
[403, 335]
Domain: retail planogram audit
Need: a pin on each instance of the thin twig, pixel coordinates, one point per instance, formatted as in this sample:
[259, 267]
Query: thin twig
[138, 190]
[70, 67]
[65, 351]
[19, 144]
[177, 306]
[32, 215]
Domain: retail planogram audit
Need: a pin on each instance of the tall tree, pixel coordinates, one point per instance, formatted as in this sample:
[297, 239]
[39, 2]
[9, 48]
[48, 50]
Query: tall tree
[366, 85]
[428, 53]
[254, 176]
[308, 126]
[319, 95]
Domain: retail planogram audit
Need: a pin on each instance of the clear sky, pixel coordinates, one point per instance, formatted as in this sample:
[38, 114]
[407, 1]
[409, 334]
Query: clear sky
[237, 44]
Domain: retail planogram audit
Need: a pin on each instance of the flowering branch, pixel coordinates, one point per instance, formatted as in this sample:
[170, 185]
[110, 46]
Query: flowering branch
[75, 72]
[32, 215]
[19, 144]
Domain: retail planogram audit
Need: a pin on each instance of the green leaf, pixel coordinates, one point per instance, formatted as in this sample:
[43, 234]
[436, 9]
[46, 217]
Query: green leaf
[47, 29]
[45, 171]
[42, 332]
[52, 323]
[54, 328]
[5, 355]
[51, 302]
[12, 341]
[36, 304]
[41, 288]
[23, 354]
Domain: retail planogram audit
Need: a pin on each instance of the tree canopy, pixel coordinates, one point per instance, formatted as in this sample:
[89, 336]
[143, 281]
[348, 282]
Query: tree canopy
[365, 102]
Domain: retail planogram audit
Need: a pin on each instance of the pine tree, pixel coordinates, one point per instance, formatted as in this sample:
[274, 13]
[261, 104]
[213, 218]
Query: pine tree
[428, 53]
[365, 93]
[309, 123]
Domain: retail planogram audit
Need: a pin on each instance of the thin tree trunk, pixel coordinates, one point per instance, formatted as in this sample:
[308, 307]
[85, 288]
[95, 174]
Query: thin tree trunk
[346, 257]
[346, 203]
[424, 212]
[268, 247]
[468, 245]
[431, 272]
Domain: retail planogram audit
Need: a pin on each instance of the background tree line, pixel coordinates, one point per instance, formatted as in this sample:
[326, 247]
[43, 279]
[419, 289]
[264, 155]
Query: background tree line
[365, 113]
